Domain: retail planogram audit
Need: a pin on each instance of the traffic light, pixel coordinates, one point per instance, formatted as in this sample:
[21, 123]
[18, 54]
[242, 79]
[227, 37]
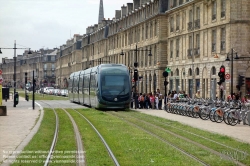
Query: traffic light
[221, 74]
[241, 81]
[165, 74]
[135, 64]
[135, 74]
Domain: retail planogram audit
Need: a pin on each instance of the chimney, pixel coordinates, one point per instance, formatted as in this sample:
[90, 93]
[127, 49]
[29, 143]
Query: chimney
[123, 9]
[129, 7]
[136, 4]
[117, 14]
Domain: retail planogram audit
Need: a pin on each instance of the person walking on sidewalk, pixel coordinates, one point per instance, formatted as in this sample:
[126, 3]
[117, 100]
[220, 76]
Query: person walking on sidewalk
[160, 99]
[157, 101]
[152, 100]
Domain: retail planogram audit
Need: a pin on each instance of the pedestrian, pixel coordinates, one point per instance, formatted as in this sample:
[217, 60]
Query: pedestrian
[132, 99]
[157, 101]
[152, 100]
[160, 99]
[141, 101]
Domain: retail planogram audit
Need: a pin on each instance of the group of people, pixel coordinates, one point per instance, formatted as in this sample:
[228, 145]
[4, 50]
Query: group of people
[147, 101]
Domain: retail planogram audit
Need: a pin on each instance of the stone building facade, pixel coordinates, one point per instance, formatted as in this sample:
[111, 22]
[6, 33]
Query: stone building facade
[201, 35]
[42, 62]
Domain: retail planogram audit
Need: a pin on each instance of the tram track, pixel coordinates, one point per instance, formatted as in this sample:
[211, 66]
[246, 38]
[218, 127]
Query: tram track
[79, 143]
[80, 158]
[128, 119]
[102, 139]
[205, 138]
[52, 147]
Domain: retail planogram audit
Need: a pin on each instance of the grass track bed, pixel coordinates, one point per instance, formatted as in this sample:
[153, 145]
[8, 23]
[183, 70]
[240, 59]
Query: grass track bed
[95, 151]
[172, 126]
[188, 147]
[40, 143]
[133, 146]
[64, 152]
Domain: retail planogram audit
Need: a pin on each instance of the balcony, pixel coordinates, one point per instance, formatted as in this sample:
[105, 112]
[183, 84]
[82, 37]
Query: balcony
[197, 51]
[213, 47]
[190, 52]
[190, 26]
[223, 45]
[222, 14]
[214, 17]
[197, 23]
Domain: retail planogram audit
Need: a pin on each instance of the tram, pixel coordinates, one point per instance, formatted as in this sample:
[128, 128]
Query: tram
[106, 86]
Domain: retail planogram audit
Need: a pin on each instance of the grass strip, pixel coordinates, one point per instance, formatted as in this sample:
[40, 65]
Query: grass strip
[133, 146]
[172, 126]
[201, 153]
[95, 151]
[36, 151]
[65, 149]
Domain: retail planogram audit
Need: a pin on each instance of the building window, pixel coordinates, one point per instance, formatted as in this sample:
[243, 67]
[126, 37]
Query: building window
[214, 10]
[197, 21]
[223, 8]
[213, 70]
[190, 41]
[156, 32]
[190, 23]
[171, 24]
[197, 49]
[190, 72]
[171, 48]
[223, 38]
[198, 13]
[197, 71]
[213, 40]
[177, 22]
[177, 47]
[180, 2]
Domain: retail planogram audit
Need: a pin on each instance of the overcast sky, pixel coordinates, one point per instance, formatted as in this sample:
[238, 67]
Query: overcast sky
[45, 24]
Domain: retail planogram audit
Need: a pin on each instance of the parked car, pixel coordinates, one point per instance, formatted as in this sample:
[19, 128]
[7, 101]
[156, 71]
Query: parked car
[56, 92]
[48, 90]
[64, 92]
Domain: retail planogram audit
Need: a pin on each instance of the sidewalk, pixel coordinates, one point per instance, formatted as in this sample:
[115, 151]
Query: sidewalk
[16, 129]
[239, 132]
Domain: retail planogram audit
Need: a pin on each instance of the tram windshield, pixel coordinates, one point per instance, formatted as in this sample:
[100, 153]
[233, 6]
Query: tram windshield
[114, 82]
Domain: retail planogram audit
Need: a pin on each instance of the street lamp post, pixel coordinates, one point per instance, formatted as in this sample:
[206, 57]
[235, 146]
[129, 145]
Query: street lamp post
[136, 74]
[14, 76]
